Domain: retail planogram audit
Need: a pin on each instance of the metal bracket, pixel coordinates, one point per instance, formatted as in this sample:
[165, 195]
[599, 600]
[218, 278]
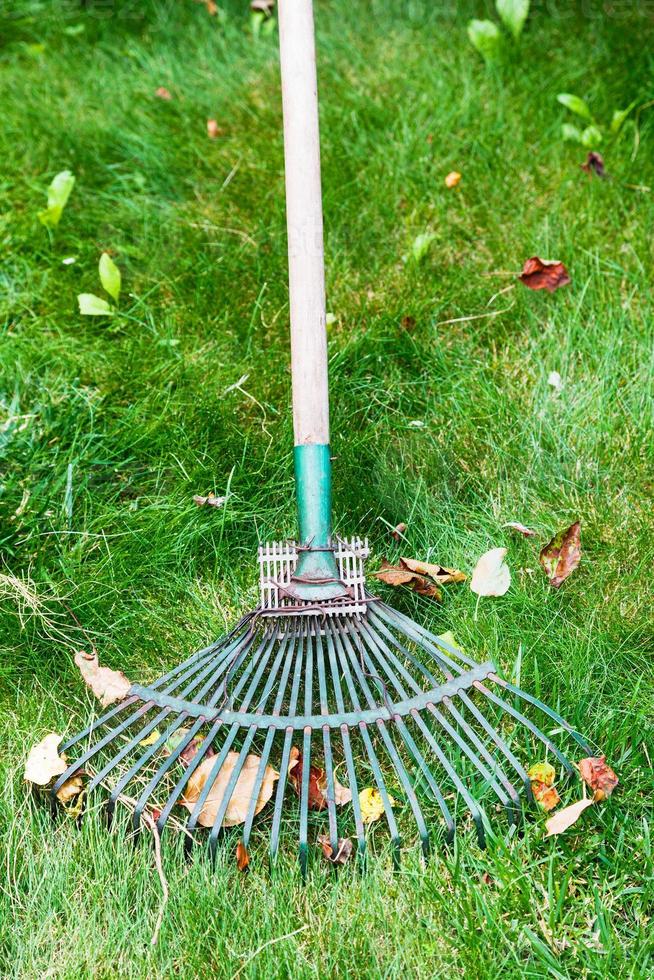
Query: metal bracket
[277, 561]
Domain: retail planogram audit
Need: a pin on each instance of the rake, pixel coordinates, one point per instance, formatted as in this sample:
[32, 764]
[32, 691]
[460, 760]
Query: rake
[321, 666]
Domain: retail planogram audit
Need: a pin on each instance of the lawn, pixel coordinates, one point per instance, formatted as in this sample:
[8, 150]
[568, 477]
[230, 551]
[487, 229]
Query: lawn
[442, 417]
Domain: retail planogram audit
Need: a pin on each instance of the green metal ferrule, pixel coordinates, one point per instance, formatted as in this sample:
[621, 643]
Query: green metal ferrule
[313, 483]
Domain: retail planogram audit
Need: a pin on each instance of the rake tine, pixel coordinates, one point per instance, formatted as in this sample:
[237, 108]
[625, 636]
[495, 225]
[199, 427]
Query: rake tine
[373, 641]
[365, 736]
[286, 752]
[249, 738]
[327, 745]
[506, 800]
[554, 715]
[261, 658]
[98, 722]
[265, 754]
[306, 752]
[347, 748]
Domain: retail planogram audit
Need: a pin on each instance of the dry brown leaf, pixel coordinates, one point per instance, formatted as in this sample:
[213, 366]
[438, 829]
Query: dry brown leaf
[242, 856]
[594, 165]
[520, 528]
[439, 573]
[163, 93]
[547, 796]
[398, 531]
[107, 685]
[565, 818]
[544, 274]
[238, 806]
[263, 6]
[452, 179]
[70, 789]
[408, 323]
[343, 851]
[598, 776]
[317, 783]
[561, 556]
[44, 762]
[213, 129]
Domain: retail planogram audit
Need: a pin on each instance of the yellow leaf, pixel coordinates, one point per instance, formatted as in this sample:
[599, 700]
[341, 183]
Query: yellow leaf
[152, 738]
[372, 805]
[542, 772]
[239, 804]
[44, 762]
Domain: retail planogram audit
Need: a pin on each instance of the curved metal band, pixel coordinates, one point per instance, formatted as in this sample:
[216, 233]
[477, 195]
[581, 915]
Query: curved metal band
[351, 718]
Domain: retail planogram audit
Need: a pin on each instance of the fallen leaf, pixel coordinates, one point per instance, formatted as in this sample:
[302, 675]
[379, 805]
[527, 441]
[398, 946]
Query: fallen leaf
[408, 323]
[594, 165]
[152, 738]
[317, 783]
[542, 772]
[400, 575]
[210, 500]
[372, 805]
[565, 818]
[449, 639]
[486, 878]
[163, 93]
[107, 685]
[343, 850]
[212, 8]
[544, 274]
[91, 305]
[58, 193]
[263, 6]
[44, 762]
[554, 379]
[547, 796]
[561, 556]
[187, 755]
[598, 776]
[491, 575]
[520, 528]
[439, 573]
[398, 531]
[70, 789]
[213, 129]
[452, 178]
[239, 804]
[242, 856]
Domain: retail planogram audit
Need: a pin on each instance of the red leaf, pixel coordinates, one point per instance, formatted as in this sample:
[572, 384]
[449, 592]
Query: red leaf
[598, 776]
[544, 274]
[594, 165]
[561, 556]
[317, 783]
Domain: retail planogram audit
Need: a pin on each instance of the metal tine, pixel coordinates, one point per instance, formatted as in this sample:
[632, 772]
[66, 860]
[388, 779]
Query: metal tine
[129, 700]
[128, 722]
[238, 765]
[286, 751]
[207, 740]
[510, 801]
[479, 765]
[348, 635]
[347, 747]
[365, 736]
[413, 630]
[428, 640]
[265, 754]
[306, 752]
[184, 742]
[554, 715]
[372, 639]
[467, 701]
[145, 731]
[260, 660]
[327, 745]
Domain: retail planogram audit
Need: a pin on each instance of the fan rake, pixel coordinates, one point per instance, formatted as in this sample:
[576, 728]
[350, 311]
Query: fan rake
[321, 666]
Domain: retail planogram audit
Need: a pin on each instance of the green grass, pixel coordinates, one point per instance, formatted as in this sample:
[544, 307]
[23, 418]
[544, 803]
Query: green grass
[111, 428]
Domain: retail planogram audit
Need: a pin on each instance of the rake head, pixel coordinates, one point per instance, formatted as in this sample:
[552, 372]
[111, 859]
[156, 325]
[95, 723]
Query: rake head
[358, 686]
